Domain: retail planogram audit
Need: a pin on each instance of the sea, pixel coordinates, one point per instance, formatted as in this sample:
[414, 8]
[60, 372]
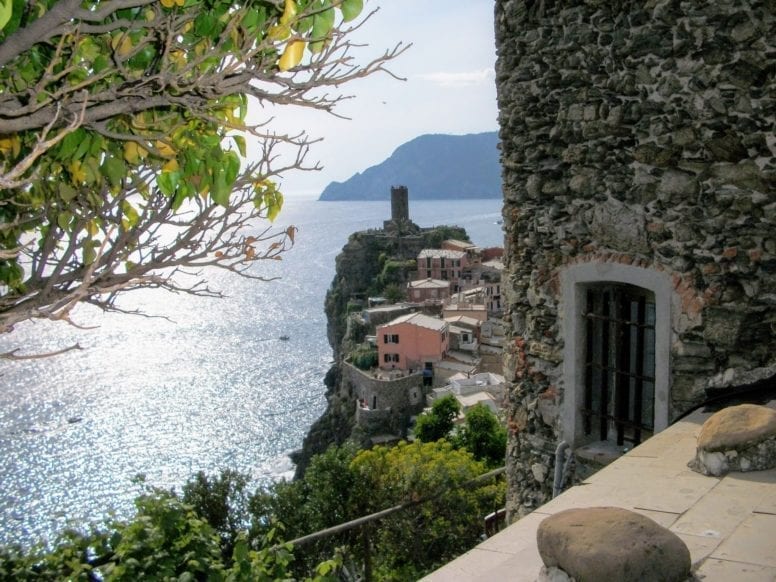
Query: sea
[193, 384]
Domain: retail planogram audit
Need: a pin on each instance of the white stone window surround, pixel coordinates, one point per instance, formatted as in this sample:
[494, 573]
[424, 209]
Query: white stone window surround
[574, 281]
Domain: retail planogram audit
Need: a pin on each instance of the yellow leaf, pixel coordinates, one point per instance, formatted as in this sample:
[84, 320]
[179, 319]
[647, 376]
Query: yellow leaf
[77, 172]
[10, 145]
[133, 152]
[125, 46]
[179, 58]
[289, 11]
[164, 149]
[171, 166]
[168, 3]
[292, 56]
[279, 32]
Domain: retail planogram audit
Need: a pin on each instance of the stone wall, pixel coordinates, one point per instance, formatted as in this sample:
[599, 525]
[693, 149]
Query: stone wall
[402, 396]
[638, 134]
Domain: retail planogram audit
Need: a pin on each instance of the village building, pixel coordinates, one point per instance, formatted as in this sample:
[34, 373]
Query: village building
[428, 290]
[474, 310]
[412, 342]
[471, 389]
[443, 264]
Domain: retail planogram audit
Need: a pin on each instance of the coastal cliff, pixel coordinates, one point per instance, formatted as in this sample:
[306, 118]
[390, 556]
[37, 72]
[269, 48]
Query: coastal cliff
[369, 262]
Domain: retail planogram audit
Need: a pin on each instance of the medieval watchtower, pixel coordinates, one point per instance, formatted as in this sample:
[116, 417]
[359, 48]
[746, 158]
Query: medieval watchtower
[400, 206]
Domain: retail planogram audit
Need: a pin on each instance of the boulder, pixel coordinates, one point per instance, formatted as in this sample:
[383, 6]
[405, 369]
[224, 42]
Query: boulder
[611, 543]
[737, 438]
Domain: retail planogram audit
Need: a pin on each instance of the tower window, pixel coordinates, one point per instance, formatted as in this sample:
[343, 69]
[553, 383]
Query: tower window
[619, 368]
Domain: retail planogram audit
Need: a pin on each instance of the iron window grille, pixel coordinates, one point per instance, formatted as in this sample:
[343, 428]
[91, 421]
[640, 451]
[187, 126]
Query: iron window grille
[619, 363]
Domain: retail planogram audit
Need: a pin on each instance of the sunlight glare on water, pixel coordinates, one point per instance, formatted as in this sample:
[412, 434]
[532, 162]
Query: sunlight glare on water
[211, 388]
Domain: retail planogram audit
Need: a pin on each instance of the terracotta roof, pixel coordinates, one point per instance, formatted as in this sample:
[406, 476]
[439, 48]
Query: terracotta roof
[420, 320]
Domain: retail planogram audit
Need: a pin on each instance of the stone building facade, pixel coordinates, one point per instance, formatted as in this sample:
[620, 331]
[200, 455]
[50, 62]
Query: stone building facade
[639, 166]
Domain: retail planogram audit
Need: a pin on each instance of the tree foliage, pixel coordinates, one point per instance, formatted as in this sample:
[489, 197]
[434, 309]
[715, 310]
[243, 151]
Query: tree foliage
[483, 435]
[415, 541]
[122, 139]
[214, 531]
[166, 540]
[439, 421]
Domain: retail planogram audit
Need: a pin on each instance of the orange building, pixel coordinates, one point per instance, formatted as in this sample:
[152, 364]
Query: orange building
[412, 342]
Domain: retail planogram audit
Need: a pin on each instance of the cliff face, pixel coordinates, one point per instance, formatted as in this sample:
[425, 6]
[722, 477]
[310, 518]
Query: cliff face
[358, 270]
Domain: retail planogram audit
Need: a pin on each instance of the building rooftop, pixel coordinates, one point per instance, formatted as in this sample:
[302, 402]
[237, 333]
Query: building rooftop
[441, 253]
[460, 243]
[728, 523]
[420, 320]
[463, 320]
[429, 284]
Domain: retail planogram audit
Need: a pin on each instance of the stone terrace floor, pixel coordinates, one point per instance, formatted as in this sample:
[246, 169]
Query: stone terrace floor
[728, 523]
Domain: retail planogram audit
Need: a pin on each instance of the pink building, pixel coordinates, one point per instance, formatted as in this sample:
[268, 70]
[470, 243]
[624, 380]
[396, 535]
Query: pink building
[442, 264]
[412, 342]
[433, 290]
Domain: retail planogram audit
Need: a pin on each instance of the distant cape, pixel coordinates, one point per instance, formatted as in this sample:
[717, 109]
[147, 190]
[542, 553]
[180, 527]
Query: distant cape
[433, 167]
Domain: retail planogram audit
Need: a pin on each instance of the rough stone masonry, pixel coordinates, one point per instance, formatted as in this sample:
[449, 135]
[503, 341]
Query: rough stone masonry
[637, 134]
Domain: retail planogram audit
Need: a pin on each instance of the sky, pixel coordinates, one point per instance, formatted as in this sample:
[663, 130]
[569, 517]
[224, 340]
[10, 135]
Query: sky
[449, 88]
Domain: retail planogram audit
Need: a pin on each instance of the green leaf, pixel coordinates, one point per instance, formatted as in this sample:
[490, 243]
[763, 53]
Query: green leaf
[220, 191]
[114, 169]
[130, 213]
[167, 182]
[70, 143]
[83, 145]
[274, 204]
[323, 22]
[351, 9]
[177, 201]
[66, 191]
[63, 220]
[231, 168]
[6, 10]
[240, 143]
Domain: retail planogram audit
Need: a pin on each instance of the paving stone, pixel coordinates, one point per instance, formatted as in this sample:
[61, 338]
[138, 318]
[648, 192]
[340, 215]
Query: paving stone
[753, 541]
[724, 570]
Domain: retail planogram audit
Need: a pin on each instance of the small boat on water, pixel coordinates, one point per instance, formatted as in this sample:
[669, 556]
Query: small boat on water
[285, 338]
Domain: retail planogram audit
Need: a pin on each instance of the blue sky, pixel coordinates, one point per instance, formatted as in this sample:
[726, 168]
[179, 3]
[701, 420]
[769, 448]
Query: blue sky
[449, 88]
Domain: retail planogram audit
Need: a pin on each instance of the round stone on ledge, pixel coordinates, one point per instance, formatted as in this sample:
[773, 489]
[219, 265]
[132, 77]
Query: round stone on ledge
[737, 438]
[611, 543]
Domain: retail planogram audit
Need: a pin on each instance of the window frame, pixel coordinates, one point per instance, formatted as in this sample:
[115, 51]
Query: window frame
[574, 281]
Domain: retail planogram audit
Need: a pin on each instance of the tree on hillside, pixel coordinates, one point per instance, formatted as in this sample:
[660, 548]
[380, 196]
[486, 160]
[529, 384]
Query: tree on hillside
[483, 435]
[413, 542]
[438, 422]
[122, 139]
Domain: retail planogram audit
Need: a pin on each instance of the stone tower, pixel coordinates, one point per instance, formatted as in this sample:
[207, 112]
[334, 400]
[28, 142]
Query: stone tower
[400, 206]
[400, 222]
[639, 169]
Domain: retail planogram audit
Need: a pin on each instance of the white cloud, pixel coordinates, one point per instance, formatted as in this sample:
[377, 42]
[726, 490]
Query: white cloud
[462, 79]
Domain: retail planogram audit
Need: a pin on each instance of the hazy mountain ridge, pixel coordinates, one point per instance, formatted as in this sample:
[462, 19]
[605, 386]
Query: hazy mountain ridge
[432, 166]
